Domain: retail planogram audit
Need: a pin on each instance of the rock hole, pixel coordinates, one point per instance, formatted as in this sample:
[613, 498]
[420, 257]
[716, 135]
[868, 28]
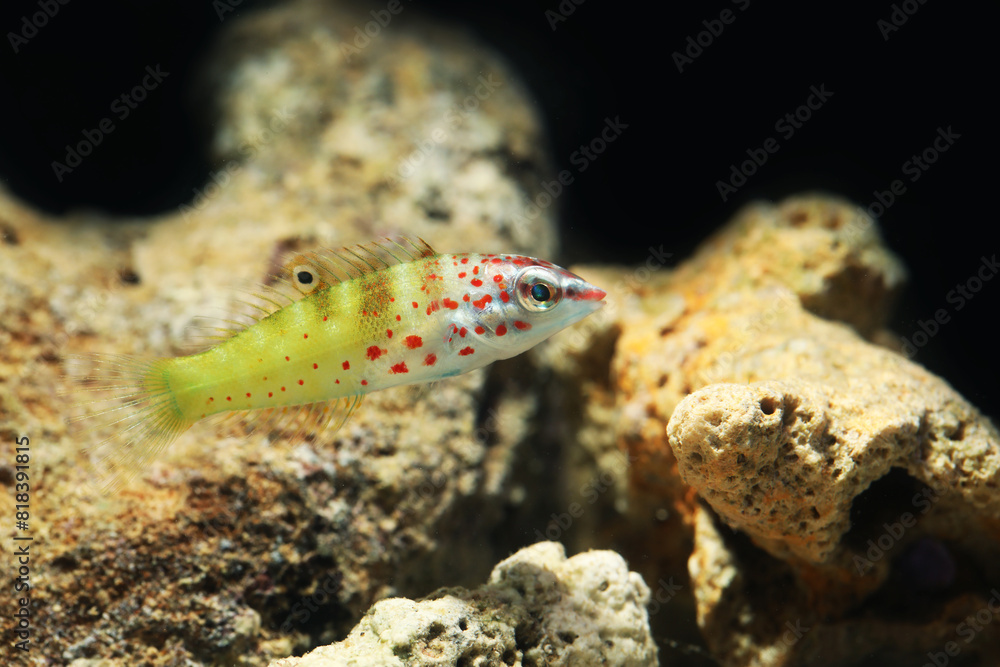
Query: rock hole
[768, 405]
[435, 630]
[567, 637]
[695, 457]
[714, 418]
[463, 624]
[129, 276]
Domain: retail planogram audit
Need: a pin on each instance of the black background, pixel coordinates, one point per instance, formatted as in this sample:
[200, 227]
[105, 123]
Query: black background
[656, 185]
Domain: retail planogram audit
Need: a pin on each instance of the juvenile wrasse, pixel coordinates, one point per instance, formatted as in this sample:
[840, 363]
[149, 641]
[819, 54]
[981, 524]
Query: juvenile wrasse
[333, 326]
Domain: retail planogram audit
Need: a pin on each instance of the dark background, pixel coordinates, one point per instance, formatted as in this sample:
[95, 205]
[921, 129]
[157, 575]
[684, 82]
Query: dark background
[656, 185]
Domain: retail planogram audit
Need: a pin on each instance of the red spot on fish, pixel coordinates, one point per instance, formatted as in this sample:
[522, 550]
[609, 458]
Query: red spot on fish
[399, 368]
[229, 398]
[315, 366]
[481, 303]
[521, 325]
[504, 297]
[462, 332]
[270, 394]
[374, 352]
[502, 330]
[448, 303]
[337, 381]
[462, 274]
[480, 330]
[498, 277]
[346, 365]
[497, 260]
[392, 299]
[475, 270]
[265, 378]
[465, 260]
[430, 359]
[388, 332]
[364, 382]
[282, 389]
[415, 304]
[375, 314]
[210, 399]
[301, 382]
[305, 335]
[324, 318]
[413, 342]
[248, 394]
[465, 351]
[399, 318]
[287, 359]
[364, 312]
[476, 282]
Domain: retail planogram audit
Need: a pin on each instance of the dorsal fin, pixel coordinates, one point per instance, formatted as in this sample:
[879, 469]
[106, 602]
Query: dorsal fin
[330, 267]
[304, 273]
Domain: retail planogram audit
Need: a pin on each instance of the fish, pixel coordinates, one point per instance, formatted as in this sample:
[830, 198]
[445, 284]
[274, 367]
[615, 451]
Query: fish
[328, 328]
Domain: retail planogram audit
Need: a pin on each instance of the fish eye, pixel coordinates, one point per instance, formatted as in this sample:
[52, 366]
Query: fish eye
[538, 289]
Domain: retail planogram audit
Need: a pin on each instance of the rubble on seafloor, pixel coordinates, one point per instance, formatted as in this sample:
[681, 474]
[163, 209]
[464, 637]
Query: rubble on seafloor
[584, 610]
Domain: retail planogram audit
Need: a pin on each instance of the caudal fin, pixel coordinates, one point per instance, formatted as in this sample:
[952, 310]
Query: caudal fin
[129, 414]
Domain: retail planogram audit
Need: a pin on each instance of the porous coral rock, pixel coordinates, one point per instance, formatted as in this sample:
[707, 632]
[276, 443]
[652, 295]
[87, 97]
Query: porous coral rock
[539, 607]
[815, 416]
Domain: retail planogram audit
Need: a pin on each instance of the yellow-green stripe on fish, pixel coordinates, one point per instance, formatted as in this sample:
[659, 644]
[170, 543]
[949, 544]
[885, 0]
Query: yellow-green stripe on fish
[336, 325]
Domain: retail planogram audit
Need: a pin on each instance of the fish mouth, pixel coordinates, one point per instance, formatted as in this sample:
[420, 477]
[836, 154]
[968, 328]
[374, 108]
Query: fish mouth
[581, 290]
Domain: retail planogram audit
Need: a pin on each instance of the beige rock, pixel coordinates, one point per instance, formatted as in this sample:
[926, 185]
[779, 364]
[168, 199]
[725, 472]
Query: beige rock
[538, 608]
[815, 416]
